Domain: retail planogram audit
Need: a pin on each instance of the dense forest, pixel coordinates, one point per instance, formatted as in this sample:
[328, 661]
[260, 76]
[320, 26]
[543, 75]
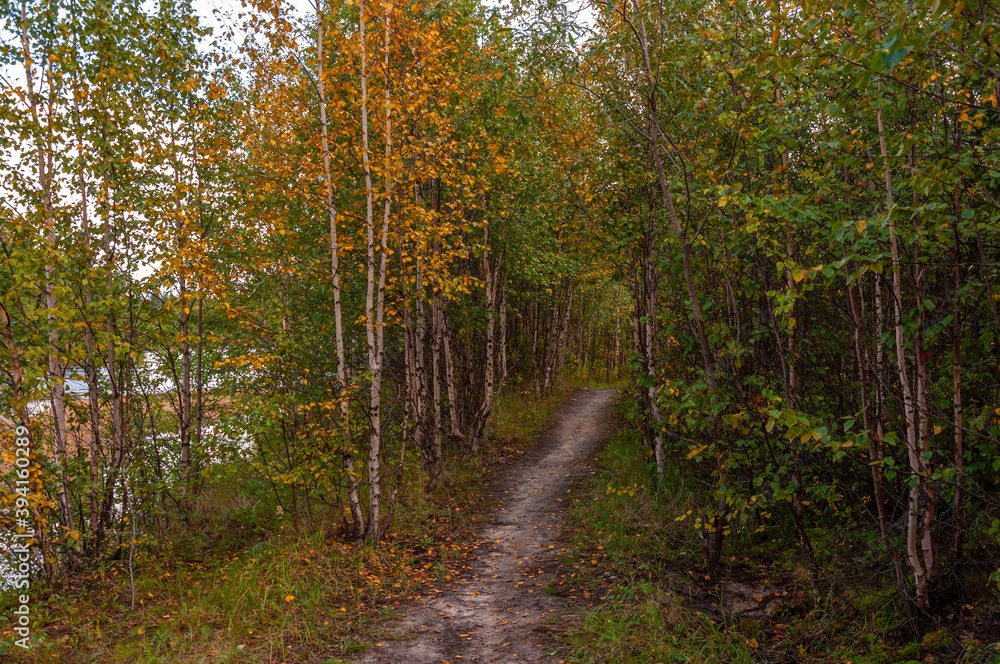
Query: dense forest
[300, 281]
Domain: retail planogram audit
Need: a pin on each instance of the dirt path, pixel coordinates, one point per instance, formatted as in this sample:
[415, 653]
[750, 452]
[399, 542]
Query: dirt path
[498, 612]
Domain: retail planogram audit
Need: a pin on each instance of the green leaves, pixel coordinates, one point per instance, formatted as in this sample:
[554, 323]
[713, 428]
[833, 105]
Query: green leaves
[888, 60]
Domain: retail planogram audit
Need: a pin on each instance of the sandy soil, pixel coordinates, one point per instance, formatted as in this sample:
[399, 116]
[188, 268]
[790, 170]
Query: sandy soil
[500, 612]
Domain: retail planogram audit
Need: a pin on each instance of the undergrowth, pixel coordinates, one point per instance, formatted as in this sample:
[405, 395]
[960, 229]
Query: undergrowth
[242, 584]
[642, 593]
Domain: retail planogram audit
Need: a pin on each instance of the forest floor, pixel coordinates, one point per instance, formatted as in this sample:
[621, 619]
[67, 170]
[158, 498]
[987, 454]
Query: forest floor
[505, 607]
[555, 544]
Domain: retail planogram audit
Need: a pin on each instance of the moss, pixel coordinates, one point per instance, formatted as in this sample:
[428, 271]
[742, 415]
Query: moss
[749, 628]
[937, 640]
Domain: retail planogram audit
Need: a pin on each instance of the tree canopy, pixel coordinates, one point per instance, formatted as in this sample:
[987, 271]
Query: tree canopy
[303, 261]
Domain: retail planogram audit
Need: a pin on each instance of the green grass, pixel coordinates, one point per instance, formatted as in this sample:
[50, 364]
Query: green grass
[577, 376]
[627, 543]
[518, 417]
[640, 623]
[636, 575]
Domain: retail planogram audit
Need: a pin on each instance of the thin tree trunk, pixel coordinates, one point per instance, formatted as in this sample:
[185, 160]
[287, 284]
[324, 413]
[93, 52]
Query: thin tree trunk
[451, 388]
[434, 469]
[563, 343]
[649, 354]
[923, 381]
[409, 343]
[45, 170]
[93, 388]
[708, 355]
[115, 377]
[489, 377]
[347, 458]
[199, 395]
[534, 350]
[375, 296]
[184, 410]
[374, 421]
[503, 335]
[90, 364]
[716, 535]
[879, 414]
[611, 349]
[20, 404]
[421, 358]
[956, 376]
[870, 406]
[639, 350]
[913, 509]
[794, 384]
[551, 346]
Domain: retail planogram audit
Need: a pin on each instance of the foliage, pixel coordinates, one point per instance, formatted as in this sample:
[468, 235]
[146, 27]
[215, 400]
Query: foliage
[817, 181]
[311, 261]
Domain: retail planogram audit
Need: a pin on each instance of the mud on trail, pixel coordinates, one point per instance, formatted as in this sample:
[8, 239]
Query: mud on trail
[498, 612]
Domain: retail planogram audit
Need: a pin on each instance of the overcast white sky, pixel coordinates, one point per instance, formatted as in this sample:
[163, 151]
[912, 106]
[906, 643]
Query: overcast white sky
[217, 14]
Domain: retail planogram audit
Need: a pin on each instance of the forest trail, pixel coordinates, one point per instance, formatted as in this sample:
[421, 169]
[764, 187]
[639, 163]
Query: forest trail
[499, 611]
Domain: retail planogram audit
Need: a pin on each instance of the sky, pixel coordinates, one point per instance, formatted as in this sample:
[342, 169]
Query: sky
[217, 13]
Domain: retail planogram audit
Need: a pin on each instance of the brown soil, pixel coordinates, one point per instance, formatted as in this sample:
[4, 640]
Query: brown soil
[500, 612]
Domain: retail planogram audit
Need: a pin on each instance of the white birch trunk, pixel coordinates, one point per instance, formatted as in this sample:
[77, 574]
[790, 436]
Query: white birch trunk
[347, 457]
[437, 450]
[45, 171]
[489, 376]
[503, 335]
